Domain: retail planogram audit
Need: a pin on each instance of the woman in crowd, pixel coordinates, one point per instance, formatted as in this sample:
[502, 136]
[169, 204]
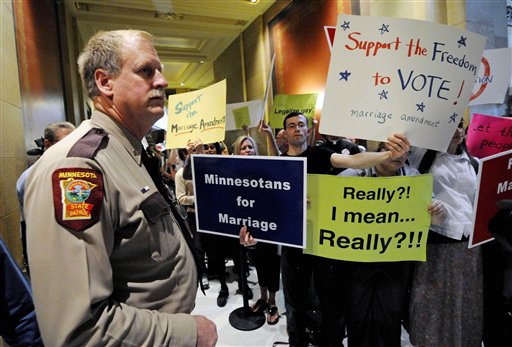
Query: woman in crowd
[446, 306]
[265, 255]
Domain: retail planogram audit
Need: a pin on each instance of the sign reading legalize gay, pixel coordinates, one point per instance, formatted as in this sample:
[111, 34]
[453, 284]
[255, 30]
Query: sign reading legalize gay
[390, 75]
[368, 219]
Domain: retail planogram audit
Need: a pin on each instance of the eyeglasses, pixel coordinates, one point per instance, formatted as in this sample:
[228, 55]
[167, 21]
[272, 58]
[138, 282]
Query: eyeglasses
[208, 147]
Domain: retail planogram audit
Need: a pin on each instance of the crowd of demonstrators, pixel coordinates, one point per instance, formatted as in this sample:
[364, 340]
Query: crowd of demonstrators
[446, 303]
[117, 264]
[112, 266]
[297, 268]
[379, 291]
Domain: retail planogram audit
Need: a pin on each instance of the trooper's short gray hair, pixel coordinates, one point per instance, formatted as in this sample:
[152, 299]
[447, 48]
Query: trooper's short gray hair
[104, 51]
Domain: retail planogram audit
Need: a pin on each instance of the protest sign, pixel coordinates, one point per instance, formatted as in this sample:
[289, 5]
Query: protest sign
[488, 135]
[494, 184]
[368, 219]
[330, 32]
[285, 104]
[266, 194]
[242, 114]
[493, 78]
[200, 114]
[390, 75]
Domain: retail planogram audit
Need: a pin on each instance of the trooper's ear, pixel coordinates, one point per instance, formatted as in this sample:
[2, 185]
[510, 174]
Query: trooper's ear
[103, 82]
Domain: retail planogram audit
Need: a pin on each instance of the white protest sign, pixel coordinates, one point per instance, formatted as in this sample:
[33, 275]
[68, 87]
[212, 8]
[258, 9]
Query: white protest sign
[390, 75]
[493, 78]
[254, 109]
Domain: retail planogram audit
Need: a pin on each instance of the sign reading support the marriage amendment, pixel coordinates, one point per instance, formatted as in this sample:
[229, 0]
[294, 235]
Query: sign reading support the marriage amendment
[200, 114]
[488, 135]
[369, 219]
[266, 194]
[495, 184]
[390, 75]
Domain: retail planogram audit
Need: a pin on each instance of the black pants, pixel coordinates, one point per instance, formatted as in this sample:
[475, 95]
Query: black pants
[379, 297]
[268, 265]
[313, 283]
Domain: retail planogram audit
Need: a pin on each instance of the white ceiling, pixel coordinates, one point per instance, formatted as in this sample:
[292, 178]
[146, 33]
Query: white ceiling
[188, 34]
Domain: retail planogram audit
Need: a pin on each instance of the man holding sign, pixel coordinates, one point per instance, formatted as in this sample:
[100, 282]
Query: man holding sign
[297, 267]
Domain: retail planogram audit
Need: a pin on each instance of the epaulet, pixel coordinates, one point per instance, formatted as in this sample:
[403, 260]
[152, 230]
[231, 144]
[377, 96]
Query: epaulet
[89, 144]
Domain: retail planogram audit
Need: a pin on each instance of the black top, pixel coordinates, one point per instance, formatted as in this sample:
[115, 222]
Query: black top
[318, 159]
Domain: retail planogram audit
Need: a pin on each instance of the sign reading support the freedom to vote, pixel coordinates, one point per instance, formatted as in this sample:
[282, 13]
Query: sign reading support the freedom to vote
[369, 219]
[266, 194]
[495, 184]
[390, 75]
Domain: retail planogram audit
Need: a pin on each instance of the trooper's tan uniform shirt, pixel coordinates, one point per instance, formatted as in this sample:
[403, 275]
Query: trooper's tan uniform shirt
[108, 268]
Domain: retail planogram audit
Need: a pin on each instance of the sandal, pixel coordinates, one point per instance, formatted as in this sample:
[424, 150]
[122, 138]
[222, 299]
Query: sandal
[260, 306]
[273, 315]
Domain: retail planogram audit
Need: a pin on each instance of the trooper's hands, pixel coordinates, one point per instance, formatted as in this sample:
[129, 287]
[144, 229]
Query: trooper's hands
[398, 145]
[206, 332]
[246, 238]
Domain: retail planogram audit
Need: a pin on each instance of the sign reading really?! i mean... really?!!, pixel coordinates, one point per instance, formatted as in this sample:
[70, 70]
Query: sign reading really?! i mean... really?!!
[390, 75]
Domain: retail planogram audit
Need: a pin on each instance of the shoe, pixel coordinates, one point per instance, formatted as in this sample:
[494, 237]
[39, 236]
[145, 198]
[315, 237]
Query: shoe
[222, 299]
[205, 282]
[273, 315]
[249, 293]
[260, 306]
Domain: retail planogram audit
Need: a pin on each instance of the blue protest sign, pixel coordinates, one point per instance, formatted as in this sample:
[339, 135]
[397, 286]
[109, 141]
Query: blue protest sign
[266, 194]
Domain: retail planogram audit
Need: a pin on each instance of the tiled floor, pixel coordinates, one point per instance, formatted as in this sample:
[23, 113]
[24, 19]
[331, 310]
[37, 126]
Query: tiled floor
[264, 336]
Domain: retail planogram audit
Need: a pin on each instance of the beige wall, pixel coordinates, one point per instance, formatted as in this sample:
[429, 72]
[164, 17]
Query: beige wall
[12, 144]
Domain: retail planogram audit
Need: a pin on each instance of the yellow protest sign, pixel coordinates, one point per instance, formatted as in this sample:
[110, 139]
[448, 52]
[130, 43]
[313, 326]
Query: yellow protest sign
[368, 219]
[284, 104]
[242, 117]
[200, 114]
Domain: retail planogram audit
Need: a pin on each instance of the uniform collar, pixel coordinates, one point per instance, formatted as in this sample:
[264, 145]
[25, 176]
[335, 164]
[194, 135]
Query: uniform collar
[131, 143]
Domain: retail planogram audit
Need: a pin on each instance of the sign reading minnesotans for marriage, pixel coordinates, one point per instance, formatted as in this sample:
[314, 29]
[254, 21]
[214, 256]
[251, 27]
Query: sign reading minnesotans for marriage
[266, 194]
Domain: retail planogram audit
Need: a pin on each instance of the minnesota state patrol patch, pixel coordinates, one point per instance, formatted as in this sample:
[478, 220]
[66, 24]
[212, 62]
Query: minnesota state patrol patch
[77, 197]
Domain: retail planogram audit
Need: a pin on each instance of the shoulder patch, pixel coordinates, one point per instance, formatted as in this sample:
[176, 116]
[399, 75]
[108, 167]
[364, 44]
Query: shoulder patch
[89, 144]
[77, 197]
